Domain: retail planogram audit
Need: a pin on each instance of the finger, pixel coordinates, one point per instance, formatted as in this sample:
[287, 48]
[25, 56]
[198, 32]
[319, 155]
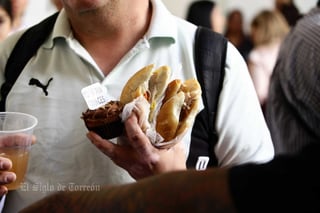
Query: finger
[122, 155]
[5, 164]
[3, 190]
[103, 145]
[7, 177]
[138, 140]
[110, 149]
[19, 139]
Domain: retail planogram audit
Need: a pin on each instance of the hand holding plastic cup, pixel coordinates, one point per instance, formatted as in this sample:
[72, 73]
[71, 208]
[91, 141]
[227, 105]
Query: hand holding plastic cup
[16, 130]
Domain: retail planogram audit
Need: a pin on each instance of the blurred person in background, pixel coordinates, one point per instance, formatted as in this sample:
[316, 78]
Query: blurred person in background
[57, 4]
[293, 107]
[207, 14]
[5, 18]
[268, 28]
[289, 10]
[18, 10]
[236, 34]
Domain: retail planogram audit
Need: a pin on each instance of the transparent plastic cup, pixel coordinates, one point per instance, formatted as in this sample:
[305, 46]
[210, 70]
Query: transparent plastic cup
[16, 131]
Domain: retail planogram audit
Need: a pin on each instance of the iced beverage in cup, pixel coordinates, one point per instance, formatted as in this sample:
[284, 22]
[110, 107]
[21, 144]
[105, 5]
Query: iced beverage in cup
[16, 131]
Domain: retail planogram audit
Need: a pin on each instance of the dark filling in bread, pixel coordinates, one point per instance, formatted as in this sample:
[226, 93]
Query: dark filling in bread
[103, 115]
[106, 120]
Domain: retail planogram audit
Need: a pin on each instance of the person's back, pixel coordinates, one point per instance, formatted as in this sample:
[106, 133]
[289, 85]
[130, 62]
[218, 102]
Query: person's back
[293, 110]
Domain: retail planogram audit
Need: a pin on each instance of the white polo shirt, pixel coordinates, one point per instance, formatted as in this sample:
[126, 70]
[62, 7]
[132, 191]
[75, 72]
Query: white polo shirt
[64, 157]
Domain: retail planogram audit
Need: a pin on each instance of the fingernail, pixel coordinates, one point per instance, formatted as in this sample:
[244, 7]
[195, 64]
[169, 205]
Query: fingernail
[4, 165]
[10, 178]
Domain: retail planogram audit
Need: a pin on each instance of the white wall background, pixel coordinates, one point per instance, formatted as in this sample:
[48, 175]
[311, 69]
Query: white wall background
[38, 9]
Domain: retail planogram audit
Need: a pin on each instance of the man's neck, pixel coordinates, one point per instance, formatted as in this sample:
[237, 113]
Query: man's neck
[117, 29]
[110, 23]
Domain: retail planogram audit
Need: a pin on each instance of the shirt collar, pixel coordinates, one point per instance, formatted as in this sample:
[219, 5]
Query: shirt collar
[163, 23]
[61, 29]
[162, 26]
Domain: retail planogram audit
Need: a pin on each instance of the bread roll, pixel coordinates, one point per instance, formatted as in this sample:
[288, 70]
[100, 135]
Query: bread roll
[169, 116]
[188, 110]
[192, 91]
[157, 86]
[137, 85]
[172, 89]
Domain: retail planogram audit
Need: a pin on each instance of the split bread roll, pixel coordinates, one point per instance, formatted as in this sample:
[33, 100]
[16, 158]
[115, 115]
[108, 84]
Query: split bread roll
[173, 105]
[179, 108]
[168, 118]
[137, 85]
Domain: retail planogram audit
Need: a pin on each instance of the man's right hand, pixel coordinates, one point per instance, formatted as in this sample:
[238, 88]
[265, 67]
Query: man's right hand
[6, 177]
[138, 156]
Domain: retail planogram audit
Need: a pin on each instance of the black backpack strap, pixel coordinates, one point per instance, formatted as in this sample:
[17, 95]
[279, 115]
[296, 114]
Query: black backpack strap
[25, 48]
[210, 56]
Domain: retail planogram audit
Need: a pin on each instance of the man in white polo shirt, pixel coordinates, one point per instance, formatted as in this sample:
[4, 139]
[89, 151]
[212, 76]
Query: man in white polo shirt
[107, 41]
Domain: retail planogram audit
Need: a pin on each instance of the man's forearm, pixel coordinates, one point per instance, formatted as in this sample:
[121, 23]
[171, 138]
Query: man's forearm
[187, 191]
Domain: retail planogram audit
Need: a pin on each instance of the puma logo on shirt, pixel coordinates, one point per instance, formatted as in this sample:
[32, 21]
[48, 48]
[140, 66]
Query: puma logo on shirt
[37, 83]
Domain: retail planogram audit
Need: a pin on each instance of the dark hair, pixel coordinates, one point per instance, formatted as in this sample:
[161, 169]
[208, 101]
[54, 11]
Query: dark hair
[6, 5]
[291, 14]
[318, 4]
[199, 13]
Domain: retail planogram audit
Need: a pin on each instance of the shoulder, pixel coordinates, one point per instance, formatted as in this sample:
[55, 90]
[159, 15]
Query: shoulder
[234, 60]
[8, 44]
[6, 47]
[243, 134]
[185, 29]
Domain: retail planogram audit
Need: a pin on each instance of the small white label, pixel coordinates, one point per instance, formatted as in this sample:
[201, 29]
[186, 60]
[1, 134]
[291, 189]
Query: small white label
[95, 95]
[202, 162]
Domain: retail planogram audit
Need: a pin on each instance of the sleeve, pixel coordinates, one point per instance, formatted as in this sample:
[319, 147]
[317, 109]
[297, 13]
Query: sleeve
[285, 184]
[243, 134]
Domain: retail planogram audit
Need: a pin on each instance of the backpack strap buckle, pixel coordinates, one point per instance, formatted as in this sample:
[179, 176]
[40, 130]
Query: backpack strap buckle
[202, 162]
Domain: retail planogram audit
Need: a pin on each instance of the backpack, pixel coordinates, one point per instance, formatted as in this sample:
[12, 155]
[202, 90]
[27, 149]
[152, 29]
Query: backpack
[210, 57]
[210, 54]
